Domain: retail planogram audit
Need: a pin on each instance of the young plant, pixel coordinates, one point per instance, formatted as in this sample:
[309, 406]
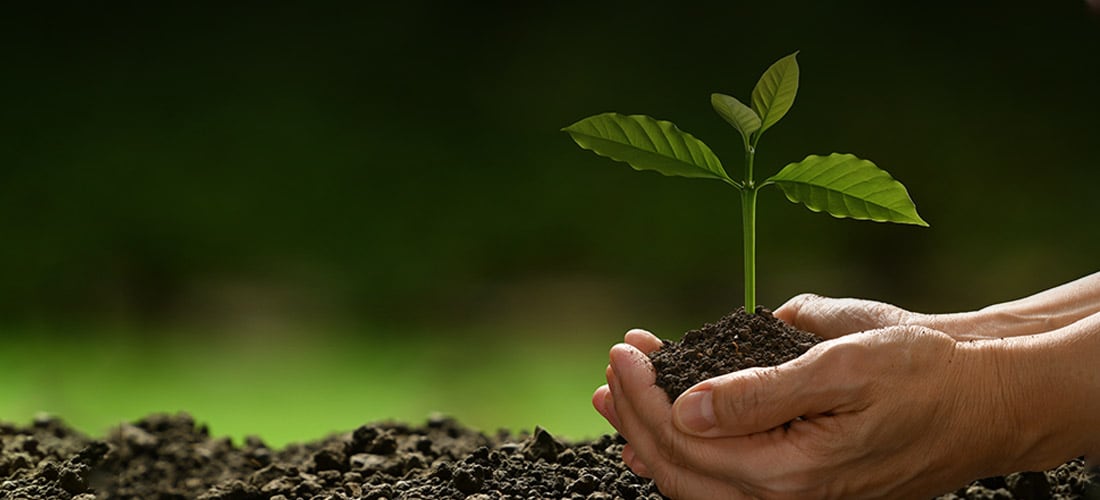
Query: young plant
[841, 185]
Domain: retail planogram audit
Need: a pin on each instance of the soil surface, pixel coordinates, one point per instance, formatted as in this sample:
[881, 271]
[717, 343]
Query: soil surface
[170, 457]
[735, 342]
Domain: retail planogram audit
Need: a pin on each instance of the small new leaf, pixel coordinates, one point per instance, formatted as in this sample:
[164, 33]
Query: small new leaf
[742, 117]
[843, 185]
[774, 93]
[647, 144]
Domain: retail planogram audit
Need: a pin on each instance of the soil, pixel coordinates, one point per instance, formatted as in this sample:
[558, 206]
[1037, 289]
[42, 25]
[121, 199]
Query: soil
[171, 457]
[735, 342]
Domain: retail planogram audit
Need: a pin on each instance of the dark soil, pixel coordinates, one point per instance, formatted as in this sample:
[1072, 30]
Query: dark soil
[735, 342]
[170, 457]
[164, 457]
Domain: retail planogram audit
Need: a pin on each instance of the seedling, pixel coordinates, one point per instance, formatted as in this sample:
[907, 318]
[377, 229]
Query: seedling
[839, 184]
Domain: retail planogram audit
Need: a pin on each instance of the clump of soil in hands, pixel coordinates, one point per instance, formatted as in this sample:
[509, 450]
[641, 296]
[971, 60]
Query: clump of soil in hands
[170, 457]
[735, 342]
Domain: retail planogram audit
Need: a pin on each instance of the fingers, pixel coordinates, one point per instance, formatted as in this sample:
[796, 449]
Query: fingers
[642, 407]
[682, 465]
[633, 379]
[602, 399]
[760, 399]
[605, 405]
[643, 340]
[739, 404]
[631, 460]
[790, 311]
[832, 318]
[644, 412]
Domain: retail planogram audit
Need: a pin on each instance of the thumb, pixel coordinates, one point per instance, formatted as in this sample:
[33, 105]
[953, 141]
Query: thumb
[832, 318]
[753, 400]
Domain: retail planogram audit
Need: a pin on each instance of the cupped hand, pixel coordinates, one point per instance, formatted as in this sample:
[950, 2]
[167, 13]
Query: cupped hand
[903, 412]
[831, 318]
[1039, 313]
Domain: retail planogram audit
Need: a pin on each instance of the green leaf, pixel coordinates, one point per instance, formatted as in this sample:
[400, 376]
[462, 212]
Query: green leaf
[647, 144]
[774, 93]
[742, 117]
[846, 186]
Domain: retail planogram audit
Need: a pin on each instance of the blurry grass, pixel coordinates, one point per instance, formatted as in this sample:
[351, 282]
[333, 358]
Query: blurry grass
[297, 386]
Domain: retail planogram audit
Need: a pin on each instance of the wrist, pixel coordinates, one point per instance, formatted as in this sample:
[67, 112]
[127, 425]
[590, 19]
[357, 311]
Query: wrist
[988, 418]
[1040, 399]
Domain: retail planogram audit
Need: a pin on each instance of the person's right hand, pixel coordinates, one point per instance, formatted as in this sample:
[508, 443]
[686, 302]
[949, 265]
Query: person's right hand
[902, 412]
[896, 412]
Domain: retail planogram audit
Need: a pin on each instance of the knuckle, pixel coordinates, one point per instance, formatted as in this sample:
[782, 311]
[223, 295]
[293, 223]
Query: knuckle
[884, 313]
[796, 308]
[803, 303]
[805, 298]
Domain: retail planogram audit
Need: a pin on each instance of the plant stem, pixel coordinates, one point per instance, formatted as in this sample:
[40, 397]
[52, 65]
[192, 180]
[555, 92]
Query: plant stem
[748, 218]
[748, 227]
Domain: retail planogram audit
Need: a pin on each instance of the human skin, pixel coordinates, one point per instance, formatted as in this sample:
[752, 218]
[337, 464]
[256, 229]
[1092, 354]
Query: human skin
[888, 407]
[1045, 311]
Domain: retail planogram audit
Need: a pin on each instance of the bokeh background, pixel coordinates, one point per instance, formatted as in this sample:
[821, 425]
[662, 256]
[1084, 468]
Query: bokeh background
[292, 220]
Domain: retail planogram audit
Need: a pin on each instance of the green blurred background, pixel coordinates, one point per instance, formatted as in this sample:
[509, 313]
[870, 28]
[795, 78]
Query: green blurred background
[294, 220]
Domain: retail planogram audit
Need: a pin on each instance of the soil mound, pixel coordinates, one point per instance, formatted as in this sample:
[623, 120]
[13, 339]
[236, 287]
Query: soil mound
[735, 342]
[171, 457]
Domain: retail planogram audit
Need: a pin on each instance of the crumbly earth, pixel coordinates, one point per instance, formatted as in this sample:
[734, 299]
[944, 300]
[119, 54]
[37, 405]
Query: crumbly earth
[735, 342]
[169, 457]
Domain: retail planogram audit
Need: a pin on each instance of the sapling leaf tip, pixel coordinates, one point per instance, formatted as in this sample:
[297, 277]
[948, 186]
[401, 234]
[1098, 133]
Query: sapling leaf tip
[774, 94]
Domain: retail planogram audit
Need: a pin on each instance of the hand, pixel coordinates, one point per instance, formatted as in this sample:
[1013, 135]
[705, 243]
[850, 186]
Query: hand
[901, 412]
[830, 318]
[1045, 311]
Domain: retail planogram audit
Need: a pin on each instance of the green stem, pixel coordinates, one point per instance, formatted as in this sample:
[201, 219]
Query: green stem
[748, 218]
[748, 227]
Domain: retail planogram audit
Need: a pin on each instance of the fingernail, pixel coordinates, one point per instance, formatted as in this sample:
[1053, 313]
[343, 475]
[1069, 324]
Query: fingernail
[695, 411]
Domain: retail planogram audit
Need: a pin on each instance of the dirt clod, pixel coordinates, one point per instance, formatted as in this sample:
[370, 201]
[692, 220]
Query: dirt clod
[735, 342]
